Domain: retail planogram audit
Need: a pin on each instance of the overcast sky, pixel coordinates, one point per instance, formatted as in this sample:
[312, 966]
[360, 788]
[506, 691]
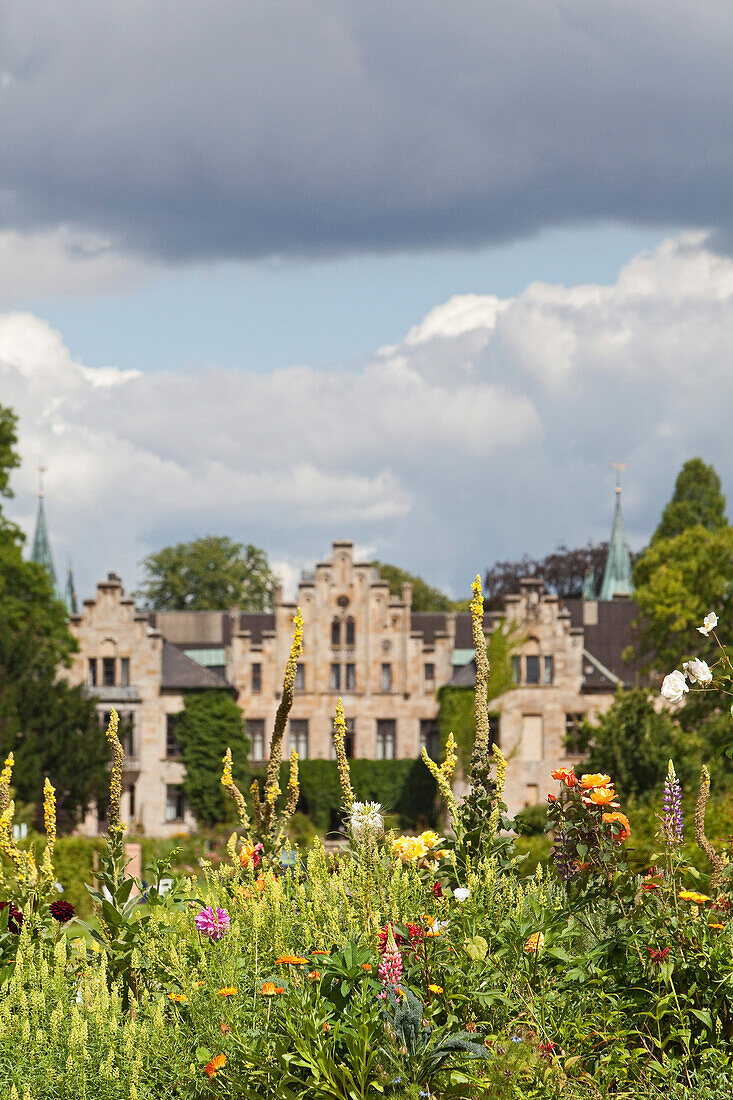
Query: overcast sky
[411, 273]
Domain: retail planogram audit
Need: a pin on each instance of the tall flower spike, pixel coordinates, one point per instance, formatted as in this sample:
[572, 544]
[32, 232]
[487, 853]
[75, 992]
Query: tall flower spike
[480, 758]
[116, 824]
[672, 807]
[227, 782]
[293, 787]
[272, 785]
[441, 779]
[717, 862]
[49, 821]
[449, 764]
[339, 741]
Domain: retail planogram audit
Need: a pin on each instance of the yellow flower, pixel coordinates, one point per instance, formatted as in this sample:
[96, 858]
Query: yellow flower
[227, 991]
[692, 895]
[535, 943]
[177, 997]
[435, 988]
[715, 926]
[595, 779]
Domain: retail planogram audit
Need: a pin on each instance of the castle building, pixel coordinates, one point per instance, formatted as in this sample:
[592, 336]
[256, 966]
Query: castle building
[361, 643]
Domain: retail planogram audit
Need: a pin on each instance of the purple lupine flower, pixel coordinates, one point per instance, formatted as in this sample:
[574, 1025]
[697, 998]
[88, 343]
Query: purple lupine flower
[672, 808]
[214, 923]
[564, 862]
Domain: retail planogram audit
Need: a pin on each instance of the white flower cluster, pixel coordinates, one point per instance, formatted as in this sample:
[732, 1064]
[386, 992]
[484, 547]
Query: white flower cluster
[366, 821]
[696, 671]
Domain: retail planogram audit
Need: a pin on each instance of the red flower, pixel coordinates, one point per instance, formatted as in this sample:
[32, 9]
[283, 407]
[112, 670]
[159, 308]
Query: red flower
[15, 917]
[61, 911]
[417, 935]
[657, 956]
[437, 890]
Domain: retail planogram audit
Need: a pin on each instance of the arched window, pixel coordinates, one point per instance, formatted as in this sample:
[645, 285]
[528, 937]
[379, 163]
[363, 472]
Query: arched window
[336, 632]
[350, 631]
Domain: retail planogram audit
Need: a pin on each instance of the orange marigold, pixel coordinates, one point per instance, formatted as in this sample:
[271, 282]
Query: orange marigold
[566, 776]
[595, 779]
[623, 821]
[715, 926]
[535, 943]
[269, 989]
[367, 967]
[292, 960]
[314, 975]
[213, 1067]
[227, 991]
[692, 895]
[177, 997]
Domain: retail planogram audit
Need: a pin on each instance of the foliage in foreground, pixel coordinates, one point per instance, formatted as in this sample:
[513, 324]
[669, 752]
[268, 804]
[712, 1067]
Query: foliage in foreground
[406, 967]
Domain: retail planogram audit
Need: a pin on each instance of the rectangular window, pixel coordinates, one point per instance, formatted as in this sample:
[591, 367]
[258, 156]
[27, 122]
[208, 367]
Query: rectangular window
[574, 741]
[385, 679]
[549, 669]
[92, 673]
[386, 738]
[336, 633]
[131, 802]
[125, 671]
[172, 746]
[430, 736]
[517, 669]
[256, 734]
[108, 671]
[175, 803]
[349, 738]
[256, 679]
[335, 677]
[127, 734]
[299, 677]
[350, 677]
[299, 737]
[494, 730]
[350, 632]
[429, 672]
[530, 746]
[531, 670]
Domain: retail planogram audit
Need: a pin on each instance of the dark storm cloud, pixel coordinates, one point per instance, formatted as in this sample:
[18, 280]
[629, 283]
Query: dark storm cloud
[200, 129]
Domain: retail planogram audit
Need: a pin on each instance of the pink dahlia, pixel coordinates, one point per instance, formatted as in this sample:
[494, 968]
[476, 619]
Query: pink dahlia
[214, 923]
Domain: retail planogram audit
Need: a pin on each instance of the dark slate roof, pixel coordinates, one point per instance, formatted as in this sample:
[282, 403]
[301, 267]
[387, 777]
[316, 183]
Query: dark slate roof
[258, 623]
[464, 629]
[606, 641]
[428, 623]
[464, 675]
[180, 673]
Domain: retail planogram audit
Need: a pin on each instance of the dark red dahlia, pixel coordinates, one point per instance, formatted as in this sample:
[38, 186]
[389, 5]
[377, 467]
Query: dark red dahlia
[15, 917]
[61, 911]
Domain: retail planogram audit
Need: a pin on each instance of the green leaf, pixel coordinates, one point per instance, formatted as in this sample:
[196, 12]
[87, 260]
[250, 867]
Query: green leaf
[476, 948]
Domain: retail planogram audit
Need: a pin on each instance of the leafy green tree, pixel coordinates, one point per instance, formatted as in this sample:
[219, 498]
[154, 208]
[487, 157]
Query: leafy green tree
[208, 574]
[697, 499]
[424, 596]
[677, 582]
[209, 723]
[51, 728]
[632, 742]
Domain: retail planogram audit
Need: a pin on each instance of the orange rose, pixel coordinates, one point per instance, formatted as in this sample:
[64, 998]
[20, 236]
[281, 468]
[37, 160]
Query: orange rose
[566, 776]
[623, 821]
[602, 796]
[594, 780]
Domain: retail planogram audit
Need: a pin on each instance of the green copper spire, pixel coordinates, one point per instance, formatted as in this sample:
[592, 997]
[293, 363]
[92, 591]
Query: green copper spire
[70, 594]
[41, 552]
[617, 574]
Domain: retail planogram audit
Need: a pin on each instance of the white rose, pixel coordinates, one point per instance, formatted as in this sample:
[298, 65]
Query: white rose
[698, 671]
[674, 686]
[461, 893]
[709, 623]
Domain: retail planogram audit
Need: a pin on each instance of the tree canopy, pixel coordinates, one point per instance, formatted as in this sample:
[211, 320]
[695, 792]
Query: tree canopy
[697, 499]
[51, 728]
[424, 596]
[210, 723]
[563, 571]
[208, 574]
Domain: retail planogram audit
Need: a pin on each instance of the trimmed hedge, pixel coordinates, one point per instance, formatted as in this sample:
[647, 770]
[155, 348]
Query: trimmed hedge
[403, 787]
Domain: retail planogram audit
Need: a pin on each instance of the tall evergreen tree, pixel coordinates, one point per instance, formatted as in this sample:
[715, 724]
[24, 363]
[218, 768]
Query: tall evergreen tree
[697, 499]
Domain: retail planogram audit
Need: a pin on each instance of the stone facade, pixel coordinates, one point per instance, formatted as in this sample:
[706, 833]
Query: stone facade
[360, 643]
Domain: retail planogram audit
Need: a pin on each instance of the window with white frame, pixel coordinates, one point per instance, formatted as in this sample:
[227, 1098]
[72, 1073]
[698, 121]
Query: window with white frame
[256, 734]
[386, 738]
[299, 737]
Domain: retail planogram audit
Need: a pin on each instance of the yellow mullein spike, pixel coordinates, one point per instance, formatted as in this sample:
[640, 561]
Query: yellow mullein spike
[480, 758]
[272, 785]
[449, 764]
[339, 740]
[116, 824]
[227, 782]
[293, 785]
